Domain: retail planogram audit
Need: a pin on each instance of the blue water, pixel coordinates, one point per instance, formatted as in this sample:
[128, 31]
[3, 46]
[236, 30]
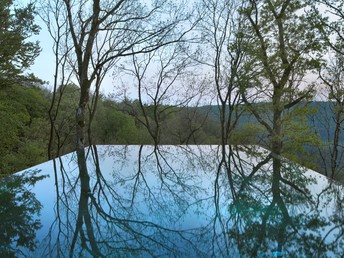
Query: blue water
[173, 201]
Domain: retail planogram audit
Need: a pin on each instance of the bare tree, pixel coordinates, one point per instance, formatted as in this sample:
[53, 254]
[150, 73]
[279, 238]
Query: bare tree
[98, 33]
[220, 28]
[329, 120]
[160, 80]
[332, 75]
[56, 24]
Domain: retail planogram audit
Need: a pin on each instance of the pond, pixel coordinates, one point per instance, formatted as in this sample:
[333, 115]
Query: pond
[171, 201]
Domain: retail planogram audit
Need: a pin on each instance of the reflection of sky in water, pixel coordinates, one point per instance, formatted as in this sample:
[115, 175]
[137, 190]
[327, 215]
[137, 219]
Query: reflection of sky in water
[182, 201]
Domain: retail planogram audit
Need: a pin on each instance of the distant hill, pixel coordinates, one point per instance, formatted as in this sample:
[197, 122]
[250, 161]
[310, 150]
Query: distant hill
[319, 118]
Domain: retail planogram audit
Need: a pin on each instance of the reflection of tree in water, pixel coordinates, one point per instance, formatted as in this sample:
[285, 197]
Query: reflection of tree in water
[128, 214]
[271, 211]
[18, 213]
[169, 201]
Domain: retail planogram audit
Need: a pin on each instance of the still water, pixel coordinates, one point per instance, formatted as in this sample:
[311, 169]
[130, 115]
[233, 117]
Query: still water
[171, 201]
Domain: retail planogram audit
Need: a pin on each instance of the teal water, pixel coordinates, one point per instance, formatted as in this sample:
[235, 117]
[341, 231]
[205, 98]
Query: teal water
[171, 201]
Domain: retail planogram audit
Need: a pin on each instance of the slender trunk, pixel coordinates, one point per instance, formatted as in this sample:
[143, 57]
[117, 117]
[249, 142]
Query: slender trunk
[85, 85]
[80, 144]
[277, 199]
[334, 154]
[223, 126]
[276, 170]
[80, 126]
[277, 107]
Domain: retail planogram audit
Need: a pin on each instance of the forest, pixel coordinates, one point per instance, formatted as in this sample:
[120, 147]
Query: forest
[208, 72]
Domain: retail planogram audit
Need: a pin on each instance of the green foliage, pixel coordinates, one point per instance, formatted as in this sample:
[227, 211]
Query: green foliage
[16, 52]
[279, 51]
[25, 127]
[63, 118]
[23, 104]
[23, 134]
[190, 126]
[299, 135]
[248, 133]
[282, 47]
[112, 126]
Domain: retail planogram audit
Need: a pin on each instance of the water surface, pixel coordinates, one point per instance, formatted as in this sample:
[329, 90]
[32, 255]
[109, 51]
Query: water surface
[171, 201]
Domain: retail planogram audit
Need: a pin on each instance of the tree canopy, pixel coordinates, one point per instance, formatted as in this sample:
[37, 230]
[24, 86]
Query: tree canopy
[230, 72]
[17, 53]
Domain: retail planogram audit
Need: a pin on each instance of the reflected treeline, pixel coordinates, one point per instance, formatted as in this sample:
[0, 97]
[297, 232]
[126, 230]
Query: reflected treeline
[18, 213]
[191, 201]
[130, 207]
[274, 208]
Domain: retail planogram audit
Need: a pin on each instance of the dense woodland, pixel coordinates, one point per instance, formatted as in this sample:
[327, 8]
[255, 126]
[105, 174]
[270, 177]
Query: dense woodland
[219, 72]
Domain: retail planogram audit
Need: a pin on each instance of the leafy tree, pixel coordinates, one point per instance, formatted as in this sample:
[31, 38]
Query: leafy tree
[112, 126]
[281, 43]
[23, 133]
[22, 101]
[16, 52]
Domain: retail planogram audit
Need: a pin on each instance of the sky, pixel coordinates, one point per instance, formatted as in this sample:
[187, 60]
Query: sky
[44, 64]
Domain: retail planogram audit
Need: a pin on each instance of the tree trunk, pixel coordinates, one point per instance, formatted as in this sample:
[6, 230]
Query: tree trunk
[335, 151]
[80, 144]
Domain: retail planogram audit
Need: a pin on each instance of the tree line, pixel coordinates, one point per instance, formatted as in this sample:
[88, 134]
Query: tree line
[259, 61]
